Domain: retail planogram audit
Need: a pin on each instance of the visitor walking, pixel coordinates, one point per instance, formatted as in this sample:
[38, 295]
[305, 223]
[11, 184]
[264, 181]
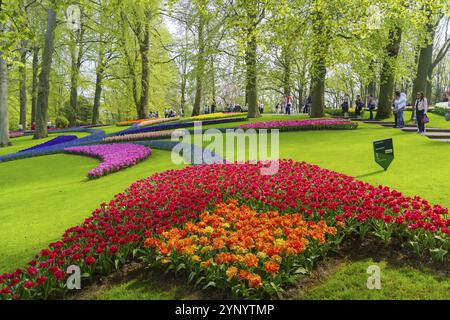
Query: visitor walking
[213, 106]
[289, 100]
[260, 107]
[371, 105]
[308, 105]
[345, 107]
[421, 107]
[283, 104]
[394, 110]
[359, 106]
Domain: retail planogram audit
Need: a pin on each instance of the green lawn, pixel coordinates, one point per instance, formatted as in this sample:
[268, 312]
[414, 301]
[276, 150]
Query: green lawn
[41, 197]
[350, 283]
[25, 142]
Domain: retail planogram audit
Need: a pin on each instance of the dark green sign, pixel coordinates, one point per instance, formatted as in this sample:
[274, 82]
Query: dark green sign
[384, 152]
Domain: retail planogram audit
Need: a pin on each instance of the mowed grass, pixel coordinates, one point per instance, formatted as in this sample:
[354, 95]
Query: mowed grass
[41, 197]
[399, 283]
[25, 142]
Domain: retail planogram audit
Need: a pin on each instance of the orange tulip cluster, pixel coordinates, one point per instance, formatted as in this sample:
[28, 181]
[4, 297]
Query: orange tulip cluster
[243, 244]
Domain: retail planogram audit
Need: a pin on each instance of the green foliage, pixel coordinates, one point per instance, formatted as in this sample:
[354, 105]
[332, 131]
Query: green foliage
[61, 122]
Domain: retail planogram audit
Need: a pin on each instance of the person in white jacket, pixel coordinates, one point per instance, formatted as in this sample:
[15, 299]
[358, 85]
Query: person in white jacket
[400, 106]
[421, 107]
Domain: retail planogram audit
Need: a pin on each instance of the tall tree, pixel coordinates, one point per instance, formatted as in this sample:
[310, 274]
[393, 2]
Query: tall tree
[99, 74]
[387, 78]
[254, 17]
[200, 68]
[425, 58]
[44, 77]
[23, 84]
[4, 123]
[321, 38]
[34, 82]
[76, 58]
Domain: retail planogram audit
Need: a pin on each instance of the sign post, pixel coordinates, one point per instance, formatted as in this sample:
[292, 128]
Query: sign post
[384, 152]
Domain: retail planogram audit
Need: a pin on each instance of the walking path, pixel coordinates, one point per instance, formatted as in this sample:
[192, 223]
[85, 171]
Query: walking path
[432, 133]
[437, 134]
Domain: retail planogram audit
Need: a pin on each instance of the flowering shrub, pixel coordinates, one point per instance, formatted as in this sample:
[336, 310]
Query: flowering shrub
[308, 124]
[55, 141]
[216, 115]
[157, 121]
[236, 247]
[114, 157]
[141, 136]
[117, 230]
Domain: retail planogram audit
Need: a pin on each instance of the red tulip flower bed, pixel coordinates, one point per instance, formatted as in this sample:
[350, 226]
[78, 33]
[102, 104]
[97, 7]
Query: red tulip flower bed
[117, 230]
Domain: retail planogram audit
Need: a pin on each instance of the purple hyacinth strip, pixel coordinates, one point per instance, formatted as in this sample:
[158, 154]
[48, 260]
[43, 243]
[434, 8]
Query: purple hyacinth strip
[114, 157]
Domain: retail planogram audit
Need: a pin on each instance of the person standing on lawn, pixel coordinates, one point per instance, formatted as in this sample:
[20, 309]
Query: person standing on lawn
[394, 109]
[371, 105]
[359, 106]
[421, 107]
[345, 107]
[399, 108]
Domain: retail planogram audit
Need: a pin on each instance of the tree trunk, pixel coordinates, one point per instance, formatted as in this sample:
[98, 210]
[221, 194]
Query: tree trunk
[251, 77]
[4, 117]
[319, 69]
[183, 89]
[23, 88]
[98, 82]
[200, 66]
[286, 73]
[372, 87]
[97, 96]
[145, 77]
[387, 78]
[429, 87]
[424, 65]
[44, 77]
[213, 81]
[73, 89]
[34, 84]
[76, 57]
[184, 72]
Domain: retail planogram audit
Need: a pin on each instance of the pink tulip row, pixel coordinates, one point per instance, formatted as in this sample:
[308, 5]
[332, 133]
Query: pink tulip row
[302, 124]
[114, 157]
[16, 134]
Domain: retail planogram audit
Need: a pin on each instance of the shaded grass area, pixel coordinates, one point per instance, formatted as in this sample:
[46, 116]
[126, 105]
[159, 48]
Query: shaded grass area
[135, 282]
